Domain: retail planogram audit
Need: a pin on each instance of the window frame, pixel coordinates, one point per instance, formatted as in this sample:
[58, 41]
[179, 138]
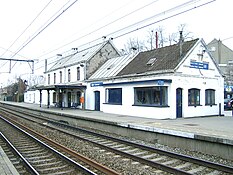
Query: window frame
[48, 79]
[78, 73]
[113, 96]
[69, 75]
[210, 97]
[60, 76]
[154, 96]
[54, 78]
[195, 95]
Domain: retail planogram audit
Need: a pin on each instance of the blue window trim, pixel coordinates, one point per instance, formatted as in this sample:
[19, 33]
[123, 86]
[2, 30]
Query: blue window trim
[147, 105]
[157, 81]
[212, 92]
[114, 96]
[196, 91]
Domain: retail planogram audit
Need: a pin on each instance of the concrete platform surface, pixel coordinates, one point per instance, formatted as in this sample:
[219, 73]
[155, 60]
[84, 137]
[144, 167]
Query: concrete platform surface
[6, 166]
[215, 127]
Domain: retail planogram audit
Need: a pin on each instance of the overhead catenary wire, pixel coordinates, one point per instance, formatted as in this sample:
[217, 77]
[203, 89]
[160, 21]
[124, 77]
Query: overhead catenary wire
[182, 12]
[16, 53]
[128, 14]
[157, 15]
[138, 23]
[30, 40]
[37, 16]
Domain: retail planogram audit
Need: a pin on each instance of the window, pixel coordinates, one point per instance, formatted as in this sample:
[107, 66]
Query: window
[69, 76]
[54, 97]
[48, 78]
[193, 97]
[151, 96]
[114, 95]
[209, 96]
[54, 76]
[78, 73]
[151, 62]
[60, 76]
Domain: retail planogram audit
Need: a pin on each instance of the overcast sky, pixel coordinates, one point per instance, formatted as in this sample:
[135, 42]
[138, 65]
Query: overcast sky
[27, 30]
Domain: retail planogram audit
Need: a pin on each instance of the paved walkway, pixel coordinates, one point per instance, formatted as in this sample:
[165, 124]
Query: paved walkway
[6, 167]
[213, 126]
[218, 128]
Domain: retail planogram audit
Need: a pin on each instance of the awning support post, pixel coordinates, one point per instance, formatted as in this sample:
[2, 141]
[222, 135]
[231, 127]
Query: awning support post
[48, 104]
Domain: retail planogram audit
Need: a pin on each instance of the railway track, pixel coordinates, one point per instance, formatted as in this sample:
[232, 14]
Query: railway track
[38, 157]
[155, 158]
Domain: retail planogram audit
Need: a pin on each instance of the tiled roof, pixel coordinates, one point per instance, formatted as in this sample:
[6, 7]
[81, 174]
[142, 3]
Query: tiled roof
[112, 67]
[161, 59]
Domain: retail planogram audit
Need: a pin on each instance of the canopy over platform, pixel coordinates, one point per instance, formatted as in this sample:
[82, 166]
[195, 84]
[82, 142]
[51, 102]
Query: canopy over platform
[60, 86]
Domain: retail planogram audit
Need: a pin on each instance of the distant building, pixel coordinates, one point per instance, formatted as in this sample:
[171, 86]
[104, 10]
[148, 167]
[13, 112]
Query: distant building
[224, 58]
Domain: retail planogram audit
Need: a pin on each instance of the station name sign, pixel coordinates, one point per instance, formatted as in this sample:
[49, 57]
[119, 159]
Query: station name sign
[199, 65]
[96, 84]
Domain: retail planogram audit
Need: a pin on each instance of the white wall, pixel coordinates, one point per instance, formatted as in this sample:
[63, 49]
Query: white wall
[34, 97]
[73, 72]
[183, 81]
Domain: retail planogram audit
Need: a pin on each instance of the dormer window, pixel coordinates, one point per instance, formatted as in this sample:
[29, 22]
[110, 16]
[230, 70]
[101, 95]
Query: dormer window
[151, 62]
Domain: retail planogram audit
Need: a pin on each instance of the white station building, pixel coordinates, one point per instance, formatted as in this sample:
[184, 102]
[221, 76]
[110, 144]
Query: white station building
[181, 80]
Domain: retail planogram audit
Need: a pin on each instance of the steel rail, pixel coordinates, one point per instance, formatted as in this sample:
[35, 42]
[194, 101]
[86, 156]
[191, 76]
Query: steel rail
[86, 160]
[201, 162]
[28, 166]
[75, 164]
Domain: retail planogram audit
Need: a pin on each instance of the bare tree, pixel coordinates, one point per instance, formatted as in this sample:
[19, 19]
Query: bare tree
[133, 45]
[152, 34]
[174, 37]
[150, 42]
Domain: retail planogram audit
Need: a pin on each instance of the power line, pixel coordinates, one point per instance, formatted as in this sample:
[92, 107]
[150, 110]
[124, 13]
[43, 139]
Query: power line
[102, 27]
[30, 40]
[157, 15]
[27, 27]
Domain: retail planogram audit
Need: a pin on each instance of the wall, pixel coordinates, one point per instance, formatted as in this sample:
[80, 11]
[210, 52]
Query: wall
[185, 83]
[34, 97]
[100, 58]
[204, 75]
[73, 72]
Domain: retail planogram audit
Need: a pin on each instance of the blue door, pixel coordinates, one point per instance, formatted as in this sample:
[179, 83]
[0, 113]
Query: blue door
[97, 100]
[178, 103]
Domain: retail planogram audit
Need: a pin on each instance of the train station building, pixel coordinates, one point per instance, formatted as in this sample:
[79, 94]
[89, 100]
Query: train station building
[181, 80]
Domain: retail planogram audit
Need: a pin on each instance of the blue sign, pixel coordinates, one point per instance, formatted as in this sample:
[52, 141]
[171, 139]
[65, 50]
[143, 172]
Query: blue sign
[199, 65]
[160, 82]
[96, 84]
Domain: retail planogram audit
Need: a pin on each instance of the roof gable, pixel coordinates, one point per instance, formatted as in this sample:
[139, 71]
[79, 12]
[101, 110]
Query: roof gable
[79, 56]
[161, 59]
[199, 62]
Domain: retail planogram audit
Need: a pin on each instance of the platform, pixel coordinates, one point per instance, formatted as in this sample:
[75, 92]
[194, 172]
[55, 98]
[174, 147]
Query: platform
[6, 166]
[211, 127]
[209, 134]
